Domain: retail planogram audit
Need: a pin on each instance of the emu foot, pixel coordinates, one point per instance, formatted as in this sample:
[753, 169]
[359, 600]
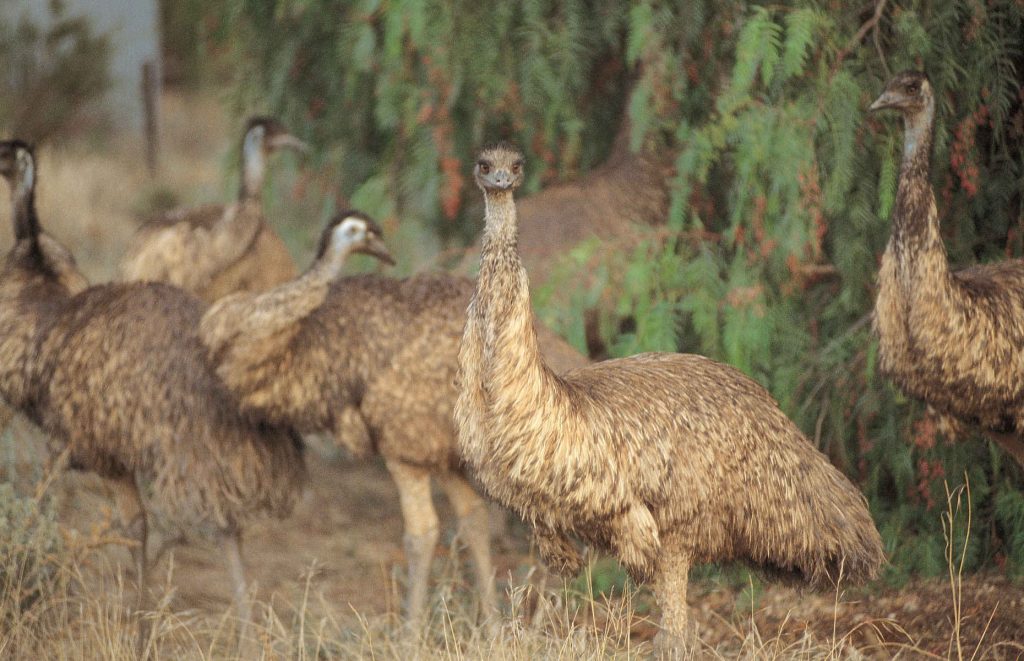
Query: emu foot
[671, 647]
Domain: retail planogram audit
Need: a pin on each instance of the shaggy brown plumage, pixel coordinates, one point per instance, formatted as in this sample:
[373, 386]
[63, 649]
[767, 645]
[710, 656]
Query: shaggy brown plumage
[117, 373]
[608, 202]
[324, 352]
[665, 460]
[952, 339]
[214, 250]
[627, 190]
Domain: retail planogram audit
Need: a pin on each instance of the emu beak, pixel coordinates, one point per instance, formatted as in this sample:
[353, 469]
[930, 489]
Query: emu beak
[375, 246]
[886, 100]
[502, 180]
[288, 141]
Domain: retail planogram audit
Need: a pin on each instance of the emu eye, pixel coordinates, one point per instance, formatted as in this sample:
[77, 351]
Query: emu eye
[516, 167]
[485, 168]
[913, 88]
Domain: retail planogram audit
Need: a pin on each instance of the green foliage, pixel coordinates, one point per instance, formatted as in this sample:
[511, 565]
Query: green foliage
[780, 199]
[51, 74]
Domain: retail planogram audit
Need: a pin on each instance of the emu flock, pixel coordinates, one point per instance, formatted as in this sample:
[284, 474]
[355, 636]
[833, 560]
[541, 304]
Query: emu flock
[189, 383]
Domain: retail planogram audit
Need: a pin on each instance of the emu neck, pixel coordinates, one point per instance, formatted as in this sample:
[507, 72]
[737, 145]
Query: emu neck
[329, 266]
[23, 203]
[915, 223]
[516, 368]
[254, 168]
[499, 257]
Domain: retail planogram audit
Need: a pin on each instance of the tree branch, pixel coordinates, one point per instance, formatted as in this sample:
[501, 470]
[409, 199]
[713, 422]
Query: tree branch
[870, 24]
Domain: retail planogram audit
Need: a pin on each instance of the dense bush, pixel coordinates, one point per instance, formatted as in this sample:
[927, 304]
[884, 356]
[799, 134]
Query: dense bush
[780, 202]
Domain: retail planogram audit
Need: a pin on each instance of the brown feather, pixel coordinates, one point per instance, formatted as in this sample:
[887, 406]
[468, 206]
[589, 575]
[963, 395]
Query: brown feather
[210, 251]
[215, 250]
[117, 372]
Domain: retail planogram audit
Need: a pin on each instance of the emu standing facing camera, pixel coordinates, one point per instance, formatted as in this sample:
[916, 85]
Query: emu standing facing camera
[663, 459]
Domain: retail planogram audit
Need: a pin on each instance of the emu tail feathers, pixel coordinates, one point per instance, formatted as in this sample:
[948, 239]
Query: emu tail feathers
[817, 529]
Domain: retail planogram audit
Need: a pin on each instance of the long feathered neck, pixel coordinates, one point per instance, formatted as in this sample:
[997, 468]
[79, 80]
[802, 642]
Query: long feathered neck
[23, 202]
[254, 164]
[329, 266]
[915, 221]
[503, 300]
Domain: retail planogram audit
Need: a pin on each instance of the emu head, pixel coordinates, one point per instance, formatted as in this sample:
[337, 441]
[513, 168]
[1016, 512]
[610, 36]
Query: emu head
[909, 92]
[499, 168]
[268, 134]
[263, 136]
[17, 165]
[353, 231]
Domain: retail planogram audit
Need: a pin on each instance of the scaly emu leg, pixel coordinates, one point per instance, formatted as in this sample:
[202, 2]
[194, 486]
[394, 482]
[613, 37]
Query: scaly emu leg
[133, 517]
[232, 542]
[475, 532]
[421, 534]
[670, 582]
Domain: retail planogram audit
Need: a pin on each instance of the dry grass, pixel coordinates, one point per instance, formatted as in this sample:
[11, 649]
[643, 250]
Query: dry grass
[89, 616]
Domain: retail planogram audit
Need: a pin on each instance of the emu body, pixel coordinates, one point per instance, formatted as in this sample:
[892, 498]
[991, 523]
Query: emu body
[954, 339]
[117, 373]
[215, 250]
[327, 353]
[665, 460]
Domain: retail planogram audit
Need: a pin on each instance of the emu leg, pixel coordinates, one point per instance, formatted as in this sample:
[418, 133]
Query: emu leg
[421, 534]
[475, 532]
[1011, 443]
[670, 584]
[232, 542]
[133, 517]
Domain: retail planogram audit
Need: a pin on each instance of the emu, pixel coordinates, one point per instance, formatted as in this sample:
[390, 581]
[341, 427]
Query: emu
[954, 339]
[663, 459]
[117, 373]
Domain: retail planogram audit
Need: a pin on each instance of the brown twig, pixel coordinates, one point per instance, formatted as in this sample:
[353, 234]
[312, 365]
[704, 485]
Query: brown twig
[870, 24]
